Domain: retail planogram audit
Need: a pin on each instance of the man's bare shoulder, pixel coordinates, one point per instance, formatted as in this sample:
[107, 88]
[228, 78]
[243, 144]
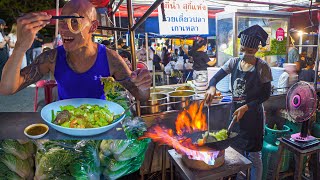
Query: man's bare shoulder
[48, 56]
[113, 55]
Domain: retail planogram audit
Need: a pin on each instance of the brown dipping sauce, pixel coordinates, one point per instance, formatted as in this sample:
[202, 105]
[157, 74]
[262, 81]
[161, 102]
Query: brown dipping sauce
[36, 130]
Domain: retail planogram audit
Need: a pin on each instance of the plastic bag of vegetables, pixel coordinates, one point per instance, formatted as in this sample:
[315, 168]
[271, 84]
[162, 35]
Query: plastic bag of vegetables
[23, 151]
[122, 157]
[134, 127]
[67, 160]
[16, 160]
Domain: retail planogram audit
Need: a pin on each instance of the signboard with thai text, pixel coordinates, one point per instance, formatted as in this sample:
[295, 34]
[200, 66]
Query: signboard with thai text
[280, 34]
[183, 17]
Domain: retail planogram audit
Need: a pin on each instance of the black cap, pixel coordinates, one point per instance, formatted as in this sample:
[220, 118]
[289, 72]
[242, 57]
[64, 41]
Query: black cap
[253, 36]
[2, 22]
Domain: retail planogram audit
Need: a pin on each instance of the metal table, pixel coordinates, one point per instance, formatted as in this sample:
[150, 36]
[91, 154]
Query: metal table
[234, 163]
[14, 123]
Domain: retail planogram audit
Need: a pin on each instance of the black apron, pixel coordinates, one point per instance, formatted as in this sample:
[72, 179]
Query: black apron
[246, 86]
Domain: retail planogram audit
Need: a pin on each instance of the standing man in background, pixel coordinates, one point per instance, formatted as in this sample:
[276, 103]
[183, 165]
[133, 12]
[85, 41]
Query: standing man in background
[4, 49]
[37, 45]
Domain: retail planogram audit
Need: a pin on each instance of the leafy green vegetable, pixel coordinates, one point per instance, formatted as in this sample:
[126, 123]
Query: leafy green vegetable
[17, 165]
[134, 128]
[275, 127]
[7, 174]
[68, 159]
[87, 116]
[21, 151]
[108, 174]
[220, 135]
[87, 166]
[133, 150]
[54, 163]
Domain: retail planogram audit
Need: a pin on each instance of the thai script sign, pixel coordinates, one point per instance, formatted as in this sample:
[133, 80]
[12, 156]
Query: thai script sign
[280, 34]
[183, 17]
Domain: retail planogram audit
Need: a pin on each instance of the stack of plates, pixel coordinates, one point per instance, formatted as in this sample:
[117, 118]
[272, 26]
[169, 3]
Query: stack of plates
[276, 73]
[224, 84]
[200, 86]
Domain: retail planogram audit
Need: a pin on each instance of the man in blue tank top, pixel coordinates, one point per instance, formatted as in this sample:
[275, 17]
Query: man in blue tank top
[77, 65]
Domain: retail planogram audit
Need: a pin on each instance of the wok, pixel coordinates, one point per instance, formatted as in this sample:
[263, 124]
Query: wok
[218, 145]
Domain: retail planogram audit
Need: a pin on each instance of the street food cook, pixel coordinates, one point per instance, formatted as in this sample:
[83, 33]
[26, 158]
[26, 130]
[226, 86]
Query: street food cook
[251, 86]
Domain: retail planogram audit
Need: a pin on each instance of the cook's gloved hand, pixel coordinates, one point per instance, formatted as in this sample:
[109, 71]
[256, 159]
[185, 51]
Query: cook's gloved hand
[240, 112]
[141, 78]
[209, 96]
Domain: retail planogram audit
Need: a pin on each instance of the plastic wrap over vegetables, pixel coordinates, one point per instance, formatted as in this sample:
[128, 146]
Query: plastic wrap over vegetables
[122, 157]
[67, 160]
[16, 160]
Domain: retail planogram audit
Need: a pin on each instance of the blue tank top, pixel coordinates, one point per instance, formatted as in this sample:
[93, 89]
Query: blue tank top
[81, 85]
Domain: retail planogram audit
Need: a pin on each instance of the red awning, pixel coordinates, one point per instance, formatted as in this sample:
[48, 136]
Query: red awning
[139, 11]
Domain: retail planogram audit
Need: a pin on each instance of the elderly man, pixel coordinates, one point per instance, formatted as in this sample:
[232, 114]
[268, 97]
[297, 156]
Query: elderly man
[77, 65]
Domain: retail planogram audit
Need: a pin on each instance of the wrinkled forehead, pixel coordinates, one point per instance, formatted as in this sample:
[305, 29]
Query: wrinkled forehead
[68, 10]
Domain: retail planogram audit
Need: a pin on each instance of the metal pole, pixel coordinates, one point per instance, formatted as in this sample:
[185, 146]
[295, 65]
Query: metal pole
[147, 50]
[300, 44]
[132, 45]
[115, 37]
[147, 14]
[318, 54]
[116, 9]
[57, 14]
[113, 28]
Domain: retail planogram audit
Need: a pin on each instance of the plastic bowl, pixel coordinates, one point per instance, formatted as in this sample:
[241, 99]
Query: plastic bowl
[55, 106]
[38, 135]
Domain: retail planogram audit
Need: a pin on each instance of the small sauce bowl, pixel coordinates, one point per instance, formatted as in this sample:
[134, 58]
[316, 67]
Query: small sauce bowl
[36, 131]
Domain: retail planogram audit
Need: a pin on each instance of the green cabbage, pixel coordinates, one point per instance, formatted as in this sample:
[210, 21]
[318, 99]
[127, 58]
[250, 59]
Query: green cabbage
[87, 166]
[133, 150]
[7, 174]
[23, 151]
[17, 165]
[116, 174]
[77, 160]
[220, 135]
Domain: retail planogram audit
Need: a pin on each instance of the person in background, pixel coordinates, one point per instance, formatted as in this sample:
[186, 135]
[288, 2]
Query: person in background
[4, 49]
[165, 56]
[308, 74]
[121, 43]
[37, 45]
[200, 60]
[174, 56]
[293, 53]
[156, 61]
[142, 53]
[251, 86]
[289, 77]
[106, 43]
[13, 39]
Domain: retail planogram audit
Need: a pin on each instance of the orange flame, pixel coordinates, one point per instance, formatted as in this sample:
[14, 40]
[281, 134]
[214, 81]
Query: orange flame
[191, 120]
[188, 121]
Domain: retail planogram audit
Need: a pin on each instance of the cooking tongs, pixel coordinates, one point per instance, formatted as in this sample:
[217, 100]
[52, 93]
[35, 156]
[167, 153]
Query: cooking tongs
[231, 125]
